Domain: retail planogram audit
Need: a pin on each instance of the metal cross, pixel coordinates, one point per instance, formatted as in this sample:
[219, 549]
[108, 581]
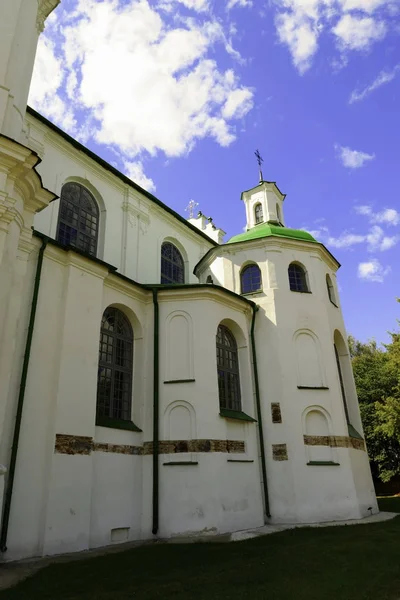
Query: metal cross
[260, 160]
[191, 207]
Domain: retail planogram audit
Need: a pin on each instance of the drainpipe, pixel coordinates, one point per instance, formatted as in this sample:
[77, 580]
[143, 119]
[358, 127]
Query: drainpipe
[20, 405]
[155, 412]
[259, 415]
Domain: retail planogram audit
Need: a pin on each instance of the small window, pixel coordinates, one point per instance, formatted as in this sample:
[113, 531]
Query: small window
[172, 265]
[209, 279]
[297, 278]
[250, 279]
[228, 370]
[258, 213]
[78, 220]
[114, 383]
[331, 290]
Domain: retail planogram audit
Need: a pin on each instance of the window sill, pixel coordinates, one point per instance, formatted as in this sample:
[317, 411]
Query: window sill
[301, 292]
[312, 387]
[253, 293]
[323, 463]
[334, 304]
[181, 463]
[353, 432]
[233, 460]
[179, 381]
[236, 414]
[116, 424]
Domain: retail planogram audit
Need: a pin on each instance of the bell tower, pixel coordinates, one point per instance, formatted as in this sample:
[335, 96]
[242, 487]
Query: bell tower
[264, 204]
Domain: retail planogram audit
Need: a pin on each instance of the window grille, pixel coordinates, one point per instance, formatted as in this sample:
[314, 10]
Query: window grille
[258, 212]
[114, 384]
[297, 278]
[228, 370]
[250, 279]
[172, 265]
[78, 220]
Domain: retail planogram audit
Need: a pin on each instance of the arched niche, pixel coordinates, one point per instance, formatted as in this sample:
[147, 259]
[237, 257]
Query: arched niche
[345, 379]
[180, 426]
[179, 364]
[308, 358]
[317, 428]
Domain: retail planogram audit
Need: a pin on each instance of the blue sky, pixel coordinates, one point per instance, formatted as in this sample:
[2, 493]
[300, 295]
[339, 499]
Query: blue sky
[178, 94]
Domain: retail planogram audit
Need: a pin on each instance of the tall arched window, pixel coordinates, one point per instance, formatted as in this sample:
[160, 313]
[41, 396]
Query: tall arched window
[297, 278]
[114, 383]
[78, 220]
[228, 370]
[331, 290]
[258, 213]
[172, 265]
[250, 279]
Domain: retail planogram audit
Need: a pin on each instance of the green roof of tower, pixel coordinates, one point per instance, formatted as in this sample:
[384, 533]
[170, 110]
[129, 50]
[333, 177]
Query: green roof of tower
[268, 230]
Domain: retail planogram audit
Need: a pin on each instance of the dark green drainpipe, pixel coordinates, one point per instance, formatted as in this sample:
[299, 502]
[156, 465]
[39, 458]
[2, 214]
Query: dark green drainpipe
[20, 405]
[155, 412]
[259, 415]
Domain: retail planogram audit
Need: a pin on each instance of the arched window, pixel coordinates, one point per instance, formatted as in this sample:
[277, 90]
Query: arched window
[258, 213]
[297, 278]
[209, 279]
[228, 370]
[78, 220]
[278, 213]
[114, 383]
[172, 266]
[331, 290]
[250, 279]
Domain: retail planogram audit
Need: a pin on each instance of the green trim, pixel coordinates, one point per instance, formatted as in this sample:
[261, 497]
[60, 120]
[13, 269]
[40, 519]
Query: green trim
[21, 398]
[117, 173]
[156, 416]
[353, 432]
[235, 414]
[269, 230]
[180, 464]
[179, 381]
[259, 414]
[326, 463]
[239, 461]
[312, 387]
[117, 423]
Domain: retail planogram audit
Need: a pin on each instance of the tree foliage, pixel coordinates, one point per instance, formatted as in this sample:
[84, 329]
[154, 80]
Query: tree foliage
[377, 378]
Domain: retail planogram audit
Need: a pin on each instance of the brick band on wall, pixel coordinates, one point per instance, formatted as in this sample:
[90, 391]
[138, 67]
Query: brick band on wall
[334, 441]
[82, 445]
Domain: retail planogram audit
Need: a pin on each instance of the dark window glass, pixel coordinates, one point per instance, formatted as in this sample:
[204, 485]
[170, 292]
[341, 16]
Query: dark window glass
[114, 383]
[78, 219]
[258, 212]
[339, 368]
[331, 291]
[228, 370]
[250, 279]
[297, 278]
[209, 279]
[172, 266]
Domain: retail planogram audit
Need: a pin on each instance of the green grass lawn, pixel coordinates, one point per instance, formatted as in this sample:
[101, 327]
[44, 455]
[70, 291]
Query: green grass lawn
[339, 563]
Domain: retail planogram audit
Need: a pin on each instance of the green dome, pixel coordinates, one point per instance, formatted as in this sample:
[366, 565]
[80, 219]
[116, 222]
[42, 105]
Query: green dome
[268, 230]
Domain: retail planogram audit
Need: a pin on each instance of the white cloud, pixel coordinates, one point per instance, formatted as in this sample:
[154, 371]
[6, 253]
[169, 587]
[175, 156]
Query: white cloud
[353, 159]
[368, 6]
[381, 79]
[134, 170]
[300, 33]
[375, 239]
[388, 216]
[143, 86]
[242, 3]
[373, 271]
[358, 33]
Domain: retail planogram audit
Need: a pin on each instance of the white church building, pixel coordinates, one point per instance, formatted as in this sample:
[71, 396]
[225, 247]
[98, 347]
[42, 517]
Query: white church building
[156, 381]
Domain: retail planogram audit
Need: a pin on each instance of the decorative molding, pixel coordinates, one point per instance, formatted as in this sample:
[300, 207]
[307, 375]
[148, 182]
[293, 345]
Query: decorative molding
[334, 441]
[44, 9]
[85, 445]
[279, 452]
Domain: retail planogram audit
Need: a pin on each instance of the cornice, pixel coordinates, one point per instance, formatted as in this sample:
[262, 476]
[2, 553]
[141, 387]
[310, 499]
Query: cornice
[45, 7]
[208, 292]
[128, 287]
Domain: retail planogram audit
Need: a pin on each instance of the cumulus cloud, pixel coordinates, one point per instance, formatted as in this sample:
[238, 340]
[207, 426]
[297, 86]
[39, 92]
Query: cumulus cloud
[134, 170]
[374, 240]
[388, 216]
[358, 33]
[373, 271]
[141, 85]
[352, 159]
[242, 3]
[381, 79]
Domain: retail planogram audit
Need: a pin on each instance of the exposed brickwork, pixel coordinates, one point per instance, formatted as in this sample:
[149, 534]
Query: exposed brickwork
[276, 412]
[334, 441]
[279, 452]
[73, 444]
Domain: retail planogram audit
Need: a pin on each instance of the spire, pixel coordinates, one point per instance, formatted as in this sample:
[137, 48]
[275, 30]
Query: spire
[260, 160]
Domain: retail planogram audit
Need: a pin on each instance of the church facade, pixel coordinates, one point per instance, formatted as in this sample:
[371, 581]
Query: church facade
[154, 380]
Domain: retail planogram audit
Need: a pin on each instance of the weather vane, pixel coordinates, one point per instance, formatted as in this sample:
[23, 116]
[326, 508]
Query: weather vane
[190, 208]
[260, 160]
